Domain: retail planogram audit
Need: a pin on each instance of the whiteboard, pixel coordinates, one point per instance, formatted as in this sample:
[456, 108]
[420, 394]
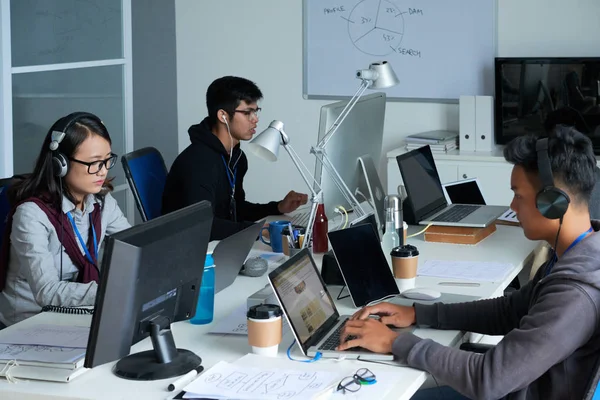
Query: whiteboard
[439, 49]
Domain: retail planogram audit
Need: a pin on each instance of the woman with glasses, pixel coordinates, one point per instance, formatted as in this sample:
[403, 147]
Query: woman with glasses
[60, 216]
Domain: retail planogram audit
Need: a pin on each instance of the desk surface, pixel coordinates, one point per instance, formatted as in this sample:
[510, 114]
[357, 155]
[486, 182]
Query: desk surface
[100, 383]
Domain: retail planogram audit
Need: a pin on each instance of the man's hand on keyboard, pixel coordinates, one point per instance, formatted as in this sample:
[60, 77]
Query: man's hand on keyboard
[389, 314]
[292, 201]
[369, 334]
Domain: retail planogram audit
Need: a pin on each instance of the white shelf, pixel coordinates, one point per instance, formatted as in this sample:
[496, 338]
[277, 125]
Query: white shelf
[458, 154]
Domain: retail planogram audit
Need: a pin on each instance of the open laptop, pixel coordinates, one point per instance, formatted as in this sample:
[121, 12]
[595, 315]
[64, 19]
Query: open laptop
[466, 191]
[426, 203]
[363, 265]
[230, 254]
[310, 310]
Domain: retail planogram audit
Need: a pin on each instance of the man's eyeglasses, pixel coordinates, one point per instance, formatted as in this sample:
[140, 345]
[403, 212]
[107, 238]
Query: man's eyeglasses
[250, 112]
[95, 166]
[363, 376]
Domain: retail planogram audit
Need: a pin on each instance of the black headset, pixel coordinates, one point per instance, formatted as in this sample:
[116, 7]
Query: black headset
[60, 163]
[550, 200]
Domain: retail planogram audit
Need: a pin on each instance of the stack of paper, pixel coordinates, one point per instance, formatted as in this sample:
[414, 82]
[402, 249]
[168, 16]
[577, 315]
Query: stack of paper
[438, 141]
[231, 381]
[43, 351]
[466, 270]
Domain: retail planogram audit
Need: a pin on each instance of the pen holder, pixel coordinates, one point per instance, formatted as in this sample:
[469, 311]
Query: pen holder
[287, 250]
[292, 243]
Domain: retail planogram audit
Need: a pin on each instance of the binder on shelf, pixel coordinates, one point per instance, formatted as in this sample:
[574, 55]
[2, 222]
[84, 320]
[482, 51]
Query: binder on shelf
[484, 123]
[467, 123]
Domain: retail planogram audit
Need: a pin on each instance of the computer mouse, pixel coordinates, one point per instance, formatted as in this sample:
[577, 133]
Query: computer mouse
[421, 294]
[255, 267]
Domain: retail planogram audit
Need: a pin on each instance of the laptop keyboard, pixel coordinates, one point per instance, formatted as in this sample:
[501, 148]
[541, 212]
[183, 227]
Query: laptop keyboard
[457, 213]
[333, 340]
[301, 219]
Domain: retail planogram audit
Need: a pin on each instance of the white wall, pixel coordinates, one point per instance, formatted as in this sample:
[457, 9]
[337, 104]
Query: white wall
[262, 41]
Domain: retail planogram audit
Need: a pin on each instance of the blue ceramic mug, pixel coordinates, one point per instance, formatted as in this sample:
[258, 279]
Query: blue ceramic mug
[275, 229]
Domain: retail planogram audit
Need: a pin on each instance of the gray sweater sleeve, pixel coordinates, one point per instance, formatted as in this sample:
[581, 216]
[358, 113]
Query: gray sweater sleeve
[544, 337]
[474, 316]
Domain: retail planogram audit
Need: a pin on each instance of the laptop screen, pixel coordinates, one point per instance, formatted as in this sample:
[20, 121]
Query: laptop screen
[306, 302]
[422, 182]
[464, 192]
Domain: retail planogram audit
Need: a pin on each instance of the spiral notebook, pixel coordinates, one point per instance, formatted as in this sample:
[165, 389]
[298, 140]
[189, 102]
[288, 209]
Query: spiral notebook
[43, 352]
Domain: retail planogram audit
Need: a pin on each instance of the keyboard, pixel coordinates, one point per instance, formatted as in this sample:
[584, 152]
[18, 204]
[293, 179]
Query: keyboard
[333, 340]
[301, 219]
[457, 213]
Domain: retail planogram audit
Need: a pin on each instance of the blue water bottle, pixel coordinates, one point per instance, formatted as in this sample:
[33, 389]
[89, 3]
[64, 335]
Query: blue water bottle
[206, 300]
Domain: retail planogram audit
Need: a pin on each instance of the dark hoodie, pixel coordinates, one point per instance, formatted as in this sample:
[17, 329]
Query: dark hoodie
[551, 328]
[199, 173]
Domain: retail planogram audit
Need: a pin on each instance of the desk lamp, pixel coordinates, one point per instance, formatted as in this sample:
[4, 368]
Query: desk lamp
[379, 75]
[266, 146]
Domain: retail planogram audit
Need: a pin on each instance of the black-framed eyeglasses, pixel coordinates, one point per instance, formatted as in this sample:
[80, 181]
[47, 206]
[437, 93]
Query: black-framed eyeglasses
[362, 376]
[250, 112]
[95, 166]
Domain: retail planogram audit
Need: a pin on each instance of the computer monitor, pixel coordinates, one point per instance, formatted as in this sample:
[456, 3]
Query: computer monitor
[360, 134]
[150, 277]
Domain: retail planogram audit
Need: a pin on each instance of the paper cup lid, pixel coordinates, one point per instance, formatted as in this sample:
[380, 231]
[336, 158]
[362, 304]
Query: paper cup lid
[408, 250]
[264, 311]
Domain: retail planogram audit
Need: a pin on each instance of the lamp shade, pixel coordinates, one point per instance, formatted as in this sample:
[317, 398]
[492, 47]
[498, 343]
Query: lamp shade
[385, 77]
[266, 144]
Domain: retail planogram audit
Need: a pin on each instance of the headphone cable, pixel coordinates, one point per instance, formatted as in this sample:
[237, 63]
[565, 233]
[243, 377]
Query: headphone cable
[554, 258]
[62, 229]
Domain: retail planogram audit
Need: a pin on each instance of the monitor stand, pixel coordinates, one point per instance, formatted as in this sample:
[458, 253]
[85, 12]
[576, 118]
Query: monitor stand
[165, 361]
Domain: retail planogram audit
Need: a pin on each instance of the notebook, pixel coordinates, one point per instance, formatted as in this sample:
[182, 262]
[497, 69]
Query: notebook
[426, 203]
[310, 310]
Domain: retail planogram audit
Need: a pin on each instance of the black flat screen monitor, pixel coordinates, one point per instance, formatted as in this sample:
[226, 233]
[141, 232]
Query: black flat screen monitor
[150, 277]
[535, 94]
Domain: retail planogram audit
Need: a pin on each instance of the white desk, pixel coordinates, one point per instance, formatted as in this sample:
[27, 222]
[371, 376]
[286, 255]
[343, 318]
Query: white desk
[507, 244]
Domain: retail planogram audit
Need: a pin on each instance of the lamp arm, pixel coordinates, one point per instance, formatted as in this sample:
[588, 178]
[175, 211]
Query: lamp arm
[337, 179]
[314, 195]
[311, 219]
[338, 121]
[304, 173]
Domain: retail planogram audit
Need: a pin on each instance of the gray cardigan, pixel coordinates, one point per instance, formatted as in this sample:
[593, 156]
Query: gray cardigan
[551, 334]
[34, 266]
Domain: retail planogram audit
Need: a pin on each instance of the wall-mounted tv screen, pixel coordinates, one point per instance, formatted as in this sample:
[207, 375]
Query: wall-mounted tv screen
[534, 94]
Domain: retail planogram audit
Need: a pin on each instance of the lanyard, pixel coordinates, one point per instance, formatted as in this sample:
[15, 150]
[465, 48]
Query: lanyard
[85, 248]
[555, 258]
[230, 177]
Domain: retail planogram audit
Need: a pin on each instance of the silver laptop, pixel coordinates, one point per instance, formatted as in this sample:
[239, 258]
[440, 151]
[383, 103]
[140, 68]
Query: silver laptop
[426, 203]
[310, 310]
[230, 254]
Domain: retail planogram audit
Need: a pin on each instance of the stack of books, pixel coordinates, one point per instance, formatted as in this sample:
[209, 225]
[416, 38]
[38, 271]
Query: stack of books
[438, 141]
[43, 352]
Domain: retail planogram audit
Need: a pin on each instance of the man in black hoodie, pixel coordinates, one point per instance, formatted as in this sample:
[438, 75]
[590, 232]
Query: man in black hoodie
[213, 166]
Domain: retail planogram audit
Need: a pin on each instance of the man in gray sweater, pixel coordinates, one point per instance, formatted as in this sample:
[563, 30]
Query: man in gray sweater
[551, 325]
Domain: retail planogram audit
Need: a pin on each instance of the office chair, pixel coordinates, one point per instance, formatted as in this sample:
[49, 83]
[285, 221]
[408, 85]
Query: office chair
[593, 391]
[4, 204]
[146, 174]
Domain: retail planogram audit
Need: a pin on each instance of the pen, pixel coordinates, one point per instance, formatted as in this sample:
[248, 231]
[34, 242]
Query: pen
[459, 283]
[185, 379]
